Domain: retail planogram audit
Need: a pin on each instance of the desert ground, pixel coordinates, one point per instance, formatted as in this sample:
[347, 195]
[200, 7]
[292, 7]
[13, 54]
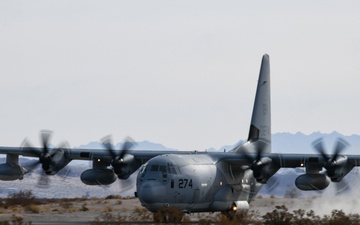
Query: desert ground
[87, 211]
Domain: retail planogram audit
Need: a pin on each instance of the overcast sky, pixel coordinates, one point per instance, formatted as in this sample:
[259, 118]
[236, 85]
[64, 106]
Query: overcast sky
[180, 73]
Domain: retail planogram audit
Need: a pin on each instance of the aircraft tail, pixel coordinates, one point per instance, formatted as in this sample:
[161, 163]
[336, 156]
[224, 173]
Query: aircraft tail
[260, 127]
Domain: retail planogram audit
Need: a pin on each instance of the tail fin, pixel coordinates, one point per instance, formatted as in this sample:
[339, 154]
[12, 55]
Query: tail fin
[260, 127]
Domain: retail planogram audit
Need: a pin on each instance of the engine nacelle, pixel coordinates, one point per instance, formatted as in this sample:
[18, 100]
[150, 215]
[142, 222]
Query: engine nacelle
[126, 167]
[312, 182]
[264, 169]
[98, 177]
[11, 172]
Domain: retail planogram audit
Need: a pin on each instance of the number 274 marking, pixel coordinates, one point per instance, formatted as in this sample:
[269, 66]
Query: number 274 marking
[183, 183]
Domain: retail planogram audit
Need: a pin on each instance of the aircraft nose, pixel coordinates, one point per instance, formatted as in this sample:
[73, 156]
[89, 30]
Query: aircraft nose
[152, 192]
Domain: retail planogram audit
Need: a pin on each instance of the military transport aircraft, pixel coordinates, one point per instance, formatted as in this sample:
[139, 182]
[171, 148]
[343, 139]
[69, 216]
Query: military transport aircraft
[194, 181]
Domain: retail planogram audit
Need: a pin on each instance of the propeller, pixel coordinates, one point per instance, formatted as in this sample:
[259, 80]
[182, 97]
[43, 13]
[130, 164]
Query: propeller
[120, 158]
[125, 184]
[334, 162]
[43, 153]
[45, 156]
[117, 156]
[342, 187]
[257, 164]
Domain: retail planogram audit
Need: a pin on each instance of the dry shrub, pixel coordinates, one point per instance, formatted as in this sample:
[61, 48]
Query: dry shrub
[16, 208]
[22, 198]
[46, 208]
[109, 219]
[128, 197]
[100, 202]
[281, 216]
[68, 206]
[33, 208]
[113, 197]
[84, 208]
[108, 208]
[141, 214]
[15, 220]
[72, 209]
[239, 218]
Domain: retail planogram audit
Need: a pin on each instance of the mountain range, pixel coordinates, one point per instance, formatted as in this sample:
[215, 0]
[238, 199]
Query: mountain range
[281, 143]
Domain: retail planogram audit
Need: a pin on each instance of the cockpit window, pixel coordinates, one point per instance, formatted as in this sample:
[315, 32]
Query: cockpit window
[167, 169]
[171, 169]
[162, 169]
[154, 168]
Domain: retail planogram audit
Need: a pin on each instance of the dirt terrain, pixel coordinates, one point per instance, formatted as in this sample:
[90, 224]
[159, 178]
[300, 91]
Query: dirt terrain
[86, 211]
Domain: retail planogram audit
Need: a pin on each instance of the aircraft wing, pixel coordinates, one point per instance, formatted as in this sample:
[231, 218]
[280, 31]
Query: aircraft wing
[282, 160]
[88, 154]
[318, 166]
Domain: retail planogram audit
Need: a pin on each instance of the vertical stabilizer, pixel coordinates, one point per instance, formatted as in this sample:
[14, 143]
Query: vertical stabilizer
[259, 139]
[260, 127]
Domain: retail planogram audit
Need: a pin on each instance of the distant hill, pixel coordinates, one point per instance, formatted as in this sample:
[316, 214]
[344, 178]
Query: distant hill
[142, 145]
[281, 143]
[302, 143]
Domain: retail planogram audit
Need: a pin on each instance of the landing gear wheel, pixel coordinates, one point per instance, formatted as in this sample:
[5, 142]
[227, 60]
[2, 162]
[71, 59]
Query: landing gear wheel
[168, 215]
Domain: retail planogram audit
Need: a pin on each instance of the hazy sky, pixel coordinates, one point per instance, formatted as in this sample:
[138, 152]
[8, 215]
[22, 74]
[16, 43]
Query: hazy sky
[180, 73]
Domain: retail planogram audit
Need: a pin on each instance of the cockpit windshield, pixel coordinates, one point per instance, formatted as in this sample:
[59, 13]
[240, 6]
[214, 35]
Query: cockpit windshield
[169, 168]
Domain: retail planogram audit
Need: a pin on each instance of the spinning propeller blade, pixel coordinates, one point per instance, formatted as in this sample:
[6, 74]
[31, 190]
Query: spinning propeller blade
[45, 156]
[118, 161]
[332, 164]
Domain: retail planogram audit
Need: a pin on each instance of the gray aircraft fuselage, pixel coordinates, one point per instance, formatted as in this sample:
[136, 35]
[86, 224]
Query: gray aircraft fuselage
[194, 183]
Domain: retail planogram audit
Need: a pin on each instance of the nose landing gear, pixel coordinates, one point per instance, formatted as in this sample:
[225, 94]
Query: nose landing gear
[168, 215]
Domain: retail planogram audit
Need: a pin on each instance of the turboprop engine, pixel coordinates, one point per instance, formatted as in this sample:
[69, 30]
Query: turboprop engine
[336, 166]
[123, 164]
